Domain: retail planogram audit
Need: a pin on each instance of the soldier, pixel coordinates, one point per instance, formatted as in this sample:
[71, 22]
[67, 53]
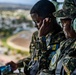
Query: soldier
[65, 57]
[48, 39]
[67, 47]
[48, 28]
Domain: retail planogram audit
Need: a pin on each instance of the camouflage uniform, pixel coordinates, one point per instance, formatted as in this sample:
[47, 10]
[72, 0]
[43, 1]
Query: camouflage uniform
[52, 42]
[40, 49]
[69, 62]
[33, 41]
[66, 13]
[65, 57]
[43, 49]
[69, 4]
[26, 60]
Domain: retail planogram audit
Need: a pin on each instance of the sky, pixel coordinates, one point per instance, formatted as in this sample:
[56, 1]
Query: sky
[30, 2]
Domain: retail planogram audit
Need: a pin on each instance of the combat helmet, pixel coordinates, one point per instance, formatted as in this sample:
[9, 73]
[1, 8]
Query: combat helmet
[69, 4]
[68, 11]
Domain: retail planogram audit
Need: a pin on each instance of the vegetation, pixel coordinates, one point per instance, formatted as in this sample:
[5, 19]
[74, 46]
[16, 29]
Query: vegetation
[8, 20]
[13, 49]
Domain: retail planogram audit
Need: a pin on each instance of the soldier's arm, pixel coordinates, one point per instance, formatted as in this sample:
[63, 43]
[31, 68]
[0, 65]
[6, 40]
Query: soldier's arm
[26, 60]
[32, 43]
[23, 62]
[69, 62]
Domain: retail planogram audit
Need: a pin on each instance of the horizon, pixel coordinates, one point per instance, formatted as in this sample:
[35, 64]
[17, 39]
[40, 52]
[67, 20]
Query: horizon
[29, 2]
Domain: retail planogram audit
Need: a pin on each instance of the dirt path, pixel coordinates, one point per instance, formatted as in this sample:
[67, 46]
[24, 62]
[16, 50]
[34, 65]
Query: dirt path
[20, 41]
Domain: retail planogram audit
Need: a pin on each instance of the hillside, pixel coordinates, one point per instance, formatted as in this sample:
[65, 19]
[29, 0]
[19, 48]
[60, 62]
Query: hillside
[13, 6]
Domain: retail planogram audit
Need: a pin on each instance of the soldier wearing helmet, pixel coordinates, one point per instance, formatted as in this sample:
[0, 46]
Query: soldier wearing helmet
[66, 57]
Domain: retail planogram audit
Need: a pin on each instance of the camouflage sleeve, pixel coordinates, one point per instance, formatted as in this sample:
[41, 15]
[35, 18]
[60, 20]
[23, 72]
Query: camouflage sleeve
[26, 60]
[23, 62]
[54, 59]
[33, 40]
[69, 62]
[60, 48]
